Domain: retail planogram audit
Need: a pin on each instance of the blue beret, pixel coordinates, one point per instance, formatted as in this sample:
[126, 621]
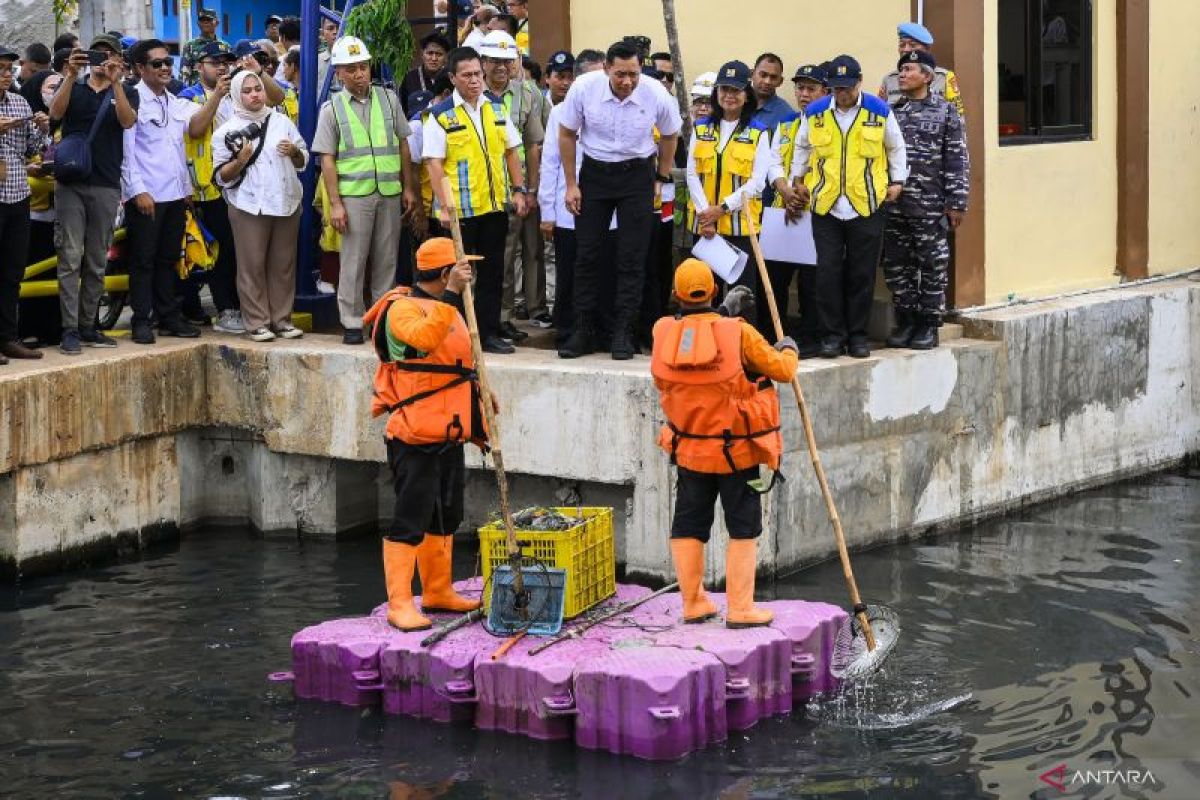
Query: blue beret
[918, 33]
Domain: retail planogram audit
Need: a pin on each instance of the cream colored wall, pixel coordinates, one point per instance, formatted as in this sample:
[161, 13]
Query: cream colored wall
[712, 32]
[1174, 132]
[1052, 208]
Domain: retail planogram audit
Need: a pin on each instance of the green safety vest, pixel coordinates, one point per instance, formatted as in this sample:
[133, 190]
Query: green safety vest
[367, 163]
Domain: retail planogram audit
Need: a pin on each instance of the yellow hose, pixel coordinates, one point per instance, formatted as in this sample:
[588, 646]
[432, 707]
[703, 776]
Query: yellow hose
[112, 283]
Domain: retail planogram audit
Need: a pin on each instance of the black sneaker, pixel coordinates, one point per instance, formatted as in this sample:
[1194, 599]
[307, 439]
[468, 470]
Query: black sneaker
[543, 320]
[143, 333]
[95, 338]
[180, 329]
[196, 316]
[495, 344]
[353, 336]
[512, 332]
[70, 343]
[581, 342]
[520, 312]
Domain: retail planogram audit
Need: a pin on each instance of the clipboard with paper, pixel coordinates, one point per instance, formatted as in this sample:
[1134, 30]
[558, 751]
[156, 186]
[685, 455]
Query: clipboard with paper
[787, 242]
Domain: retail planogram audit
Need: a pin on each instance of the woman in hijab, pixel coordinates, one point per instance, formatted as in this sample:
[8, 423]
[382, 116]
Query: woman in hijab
[260, 183]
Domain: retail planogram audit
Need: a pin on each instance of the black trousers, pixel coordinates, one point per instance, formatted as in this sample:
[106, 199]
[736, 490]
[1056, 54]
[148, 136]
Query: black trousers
[660, 276]
[428, 481]
[847, 255]
[222, 281]
[629, 190]
[154, 245]
[782, 275]
[484, 236]
[14, 247]
[696, 494]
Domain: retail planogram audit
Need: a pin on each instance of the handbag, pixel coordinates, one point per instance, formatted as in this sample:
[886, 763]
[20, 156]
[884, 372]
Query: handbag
[73, 155]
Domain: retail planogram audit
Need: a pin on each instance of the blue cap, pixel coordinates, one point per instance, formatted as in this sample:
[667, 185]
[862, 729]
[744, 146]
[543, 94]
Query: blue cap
[214, 50]
[465, 8]
[844, 72]
[918, 33]
[245, 47]
[735, 74]
[418, 101]
[561, 61]
[128, 41]
[811, 72]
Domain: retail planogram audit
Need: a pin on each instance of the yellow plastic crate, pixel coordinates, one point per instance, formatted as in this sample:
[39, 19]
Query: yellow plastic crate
[587, 552]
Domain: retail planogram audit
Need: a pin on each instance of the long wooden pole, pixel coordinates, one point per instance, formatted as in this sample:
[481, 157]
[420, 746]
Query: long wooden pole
[489, 410]
[830, 507]
[576, 632]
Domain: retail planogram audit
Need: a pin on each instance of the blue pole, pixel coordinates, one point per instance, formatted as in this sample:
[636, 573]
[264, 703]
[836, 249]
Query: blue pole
[307, 297]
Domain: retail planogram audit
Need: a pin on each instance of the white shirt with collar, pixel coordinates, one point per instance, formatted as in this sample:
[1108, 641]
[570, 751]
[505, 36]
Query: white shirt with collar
[758, 174]
[154, 161]
[552, 184]
[433, 135]
[893, 142]
[269, 187]
[611, 129]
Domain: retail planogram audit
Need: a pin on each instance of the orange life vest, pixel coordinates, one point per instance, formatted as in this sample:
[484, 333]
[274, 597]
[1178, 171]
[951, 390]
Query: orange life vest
[433, 398]
[719, 418]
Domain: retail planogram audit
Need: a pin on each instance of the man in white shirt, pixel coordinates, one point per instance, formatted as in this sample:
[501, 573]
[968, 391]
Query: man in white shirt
[155, 185]
[615, 115]
[858, 167]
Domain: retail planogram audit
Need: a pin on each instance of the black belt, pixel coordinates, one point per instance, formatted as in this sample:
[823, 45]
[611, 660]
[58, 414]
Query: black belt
[617, 166]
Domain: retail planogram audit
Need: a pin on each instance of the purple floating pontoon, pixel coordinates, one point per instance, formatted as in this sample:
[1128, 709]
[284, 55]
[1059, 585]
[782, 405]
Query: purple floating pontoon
[640, 684]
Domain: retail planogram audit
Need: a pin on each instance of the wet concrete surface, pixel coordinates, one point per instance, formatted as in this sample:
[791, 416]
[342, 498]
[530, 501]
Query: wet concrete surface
[1071, 626]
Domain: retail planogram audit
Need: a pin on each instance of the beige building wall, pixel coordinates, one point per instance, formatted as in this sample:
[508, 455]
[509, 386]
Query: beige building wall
[713, 32]
[1174, 133]
[1052, 208]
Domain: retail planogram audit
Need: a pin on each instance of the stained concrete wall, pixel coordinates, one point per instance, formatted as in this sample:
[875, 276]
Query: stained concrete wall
[1040, 400]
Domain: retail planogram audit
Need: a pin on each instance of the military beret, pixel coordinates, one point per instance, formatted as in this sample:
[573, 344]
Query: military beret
[918, 33]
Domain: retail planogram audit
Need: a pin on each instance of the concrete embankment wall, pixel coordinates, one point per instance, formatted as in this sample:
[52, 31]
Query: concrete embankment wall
[120, 448]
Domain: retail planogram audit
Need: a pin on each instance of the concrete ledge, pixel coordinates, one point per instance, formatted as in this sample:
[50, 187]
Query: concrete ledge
[1035, 401]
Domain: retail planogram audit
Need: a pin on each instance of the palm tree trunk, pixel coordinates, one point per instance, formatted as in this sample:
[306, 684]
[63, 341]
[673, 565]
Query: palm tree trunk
[681, 89]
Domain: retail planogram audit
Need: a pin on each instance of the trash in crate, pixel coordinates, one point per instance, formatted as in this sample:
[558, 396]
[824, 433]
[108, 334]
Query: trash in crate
[540, 518]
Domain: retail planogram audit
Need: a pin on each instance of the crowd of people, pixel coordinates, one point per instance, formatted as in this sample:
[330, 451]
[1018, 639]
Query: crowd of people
[561, 175]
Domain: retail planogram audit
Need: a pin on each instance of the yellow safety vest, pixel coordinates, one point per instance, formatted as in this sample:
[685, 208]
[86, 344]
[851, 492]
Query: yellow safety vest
[475, 164]
[854, 164]
[428, 198]
[786, 135]
[291, 105]
[199, 157]
[367, 162]
[723, 171]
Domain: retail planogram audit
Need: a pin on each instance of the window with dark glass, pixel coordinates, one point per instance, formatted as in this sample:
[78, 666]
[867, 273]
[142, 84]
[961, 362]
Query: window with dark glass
[1045, 71]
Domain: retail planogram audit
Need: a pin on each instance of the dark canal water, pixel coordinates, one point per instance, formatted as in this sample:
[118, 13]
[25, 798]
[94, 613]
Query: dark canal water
[1072, 627]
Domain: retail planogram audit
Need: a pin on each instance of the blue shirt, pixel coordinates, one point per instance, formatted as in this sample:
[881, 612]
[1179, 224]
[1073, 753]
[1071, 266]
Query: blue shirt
[773, 112]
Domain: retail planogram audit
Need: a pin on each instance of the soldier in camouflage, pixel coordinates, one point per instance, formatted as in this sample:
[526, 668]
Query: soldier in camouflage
[193, 50]
[916, 250]
[945, 82]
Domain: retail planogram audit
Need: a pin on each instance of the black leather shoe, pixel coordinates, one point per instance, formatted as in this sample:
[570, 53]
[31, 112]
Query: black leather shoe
[581, 342]
[903, 331]
[495, 344]
[860, 350]
[180, 329]
[353, 336]
[809, 348]
[143, 333]
[623, 346]
[924, 338]
[512, 332]
[831, 348]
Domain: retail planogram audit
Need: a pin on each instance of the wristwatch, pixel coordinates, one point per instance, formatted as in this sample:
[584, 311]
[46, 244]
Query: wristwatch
[520, 189]
[725, 208]
[664, 179]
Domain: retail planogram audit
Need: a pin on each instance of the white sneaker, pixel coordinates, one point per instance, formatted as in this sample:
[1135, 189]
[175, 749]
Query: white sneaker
[288, 331]
[261, 335]
[326, 288]
[230, 321]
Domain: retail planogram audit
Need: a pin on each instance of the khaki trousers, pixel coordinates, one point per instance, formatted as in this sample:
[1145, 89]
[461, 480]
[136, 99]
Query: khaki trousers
[373, 235]
[266, 259]
[524, 236]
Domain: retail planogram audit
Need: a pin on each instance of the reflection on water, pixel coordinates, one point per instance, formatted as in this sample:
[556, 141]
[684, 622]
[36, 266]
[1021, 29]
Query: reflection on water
[1071, 628]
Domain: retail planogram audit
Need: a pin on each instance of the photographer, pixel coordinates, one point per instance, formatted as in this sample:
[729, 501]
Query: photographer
[260, 153]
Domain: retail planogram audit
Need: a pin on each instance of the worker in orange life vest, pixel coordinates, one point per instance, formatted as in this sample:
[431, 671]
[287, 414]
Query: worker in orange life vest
[714, 373]
[426, 382]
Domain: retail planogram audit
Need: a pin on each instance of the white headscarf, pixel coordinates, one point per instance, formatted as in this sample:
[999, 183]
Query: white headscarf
[235, 96]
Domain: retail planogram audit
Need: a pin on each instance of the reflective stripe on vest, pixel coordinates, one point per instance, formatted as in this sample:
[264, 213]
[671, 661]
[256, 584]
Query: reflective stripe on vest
[853, 164]
[787, 133]
[724, 170]
[718, 419]
[199, 157]
[367, 162]
[474, 161]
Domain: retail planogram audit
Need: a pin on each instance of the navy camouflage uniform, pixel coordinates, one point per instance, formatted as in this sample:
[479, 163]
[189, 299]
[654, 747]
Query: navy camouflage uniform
[916, 250]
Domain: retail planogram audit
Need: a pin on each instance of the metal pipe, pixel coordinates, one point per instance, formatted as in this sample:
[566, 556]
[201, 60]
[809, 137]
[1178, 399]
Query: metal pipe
[920, 12]
[1078, 293]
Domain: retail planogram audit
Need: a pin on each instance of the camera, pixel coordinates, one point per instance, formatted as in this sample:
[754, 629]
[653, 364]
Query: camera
[97, 58]
[235, 139]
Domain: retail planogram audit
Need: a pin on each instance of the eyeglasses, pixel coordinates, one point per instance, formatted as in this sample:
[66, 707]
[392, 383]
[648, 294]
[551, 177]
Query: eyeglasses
[159, 63]
[667, 77]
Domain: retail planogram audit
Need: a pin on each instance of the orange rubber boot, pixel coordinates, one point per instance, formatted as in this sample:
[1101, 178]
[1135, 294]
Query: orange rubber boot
[399, 562]
[739, 586]
[688, 555]
[434, 562]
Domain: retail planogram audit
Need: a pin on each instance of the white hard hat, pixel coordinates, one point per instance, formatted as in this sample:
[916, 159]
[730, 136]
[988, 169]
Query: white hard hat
[704, 85]
[348, 50]
[498, 44]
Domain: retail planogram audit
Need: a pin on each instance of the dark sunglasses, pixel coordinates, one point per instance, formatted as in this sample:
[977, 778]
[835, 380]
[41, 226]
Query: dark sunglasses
[159, 63]
[669, 77]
